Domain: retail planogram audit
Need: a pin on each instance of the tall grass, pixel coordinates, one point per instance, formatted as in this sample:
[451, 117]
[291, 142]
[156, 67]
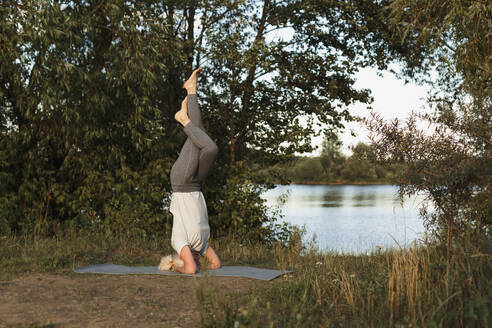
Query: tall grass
[415, 287]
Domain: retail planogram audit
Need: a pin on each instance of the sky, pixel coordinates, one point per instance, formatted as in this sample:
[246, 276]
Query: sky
[392, 98]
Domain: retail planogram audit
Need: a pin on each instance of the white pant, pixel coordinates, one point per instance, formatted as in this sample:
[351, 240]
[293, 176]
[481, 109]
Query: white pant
[190, 222]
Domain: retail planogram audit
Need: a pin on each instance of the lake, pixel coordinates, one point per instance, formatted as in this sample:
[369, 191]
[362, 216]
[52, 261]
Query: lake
[350, 218]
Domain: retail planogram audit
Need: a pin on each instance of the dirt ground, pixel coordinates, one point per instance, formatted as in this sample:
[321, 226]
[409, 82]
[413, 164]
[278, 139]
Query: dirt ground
[93, 300]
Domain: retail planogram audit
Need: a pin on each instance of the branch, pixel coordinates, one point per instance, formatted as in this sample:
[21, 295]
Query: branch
[206, 25]
[251, 74]
[98, 5]
[37, 63]
[176, 32]
[277, 28]
[260, 74]
[191, 36]
[480, 67]
[444, 43]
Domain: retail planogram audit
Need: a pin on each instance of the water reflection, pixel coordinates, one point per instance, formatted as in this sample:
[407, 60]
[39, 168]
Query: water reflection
[332, 199]
[350, 218]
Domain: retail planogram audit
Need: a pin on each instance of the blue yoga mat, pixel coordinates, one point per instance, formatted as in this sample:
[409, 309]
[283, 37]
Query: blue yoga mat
[225, 271]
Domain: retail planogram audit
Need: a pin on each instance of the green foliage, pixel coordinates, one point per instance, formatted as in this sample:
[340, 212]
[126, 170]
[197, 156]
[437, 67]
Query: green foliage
[332, 166]
[259, 88]
[239, 212]
[451, 162]
[331, 157]
[88, 91]
[356, 169]
[308, 169]
[82, 135]
[451, 36]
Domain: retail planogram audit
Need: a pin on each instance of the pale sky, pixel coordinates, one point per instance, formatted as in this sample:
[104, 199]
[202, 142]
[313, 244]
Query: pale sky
[392, 98]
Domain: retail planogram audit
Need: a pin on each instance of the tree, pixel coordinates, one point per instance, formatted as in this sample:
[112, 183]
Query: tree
[85, 117]
[364, 152]
[452, 164]
[262, 84]
[331, 155]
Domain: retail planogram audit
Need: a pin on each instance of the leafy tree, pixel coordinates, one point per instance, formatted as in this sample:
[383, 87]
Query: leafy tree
[259, 84]
[452, 162]
[357, 170]
[331, 156]
[308, 169]
[364, 152]
[361, 165]
[84, 115]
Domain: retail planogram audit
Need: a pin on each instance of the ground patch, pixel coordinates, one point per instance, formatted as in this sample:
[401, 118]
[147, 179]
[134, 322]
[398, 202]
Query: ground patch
[74, 300]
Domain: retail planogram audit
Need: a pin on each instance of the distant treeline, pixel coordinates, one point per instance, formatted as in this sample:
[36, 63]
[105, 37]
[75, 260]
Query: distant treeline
[332, 166]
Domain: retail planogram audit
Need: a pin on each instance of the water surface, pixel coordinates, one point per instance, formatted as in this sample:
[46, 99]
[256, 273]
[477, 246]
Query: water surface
[350, 218]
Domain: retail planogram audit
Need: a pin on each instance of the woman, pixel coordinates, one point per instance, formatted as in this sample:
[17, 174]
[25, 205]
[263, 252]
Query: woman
[191, 230]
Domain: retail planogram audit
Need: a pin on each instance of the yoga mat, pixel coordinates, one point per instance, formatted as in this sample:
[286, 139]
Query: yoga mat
[225, 271]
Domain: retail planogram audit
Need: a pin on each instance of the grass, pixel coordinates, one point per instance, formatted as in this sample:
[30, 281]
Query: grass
[416, 287]
[61, 253]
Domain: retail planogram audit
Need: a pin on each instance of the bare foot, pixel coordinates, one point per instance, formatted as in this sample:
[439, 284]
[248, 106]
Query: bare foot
[190, 84]
[182, 115]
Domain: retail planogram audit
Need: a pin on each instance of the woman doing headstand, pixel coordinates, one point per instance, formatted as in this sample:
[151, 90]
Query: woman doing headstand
[191, 230]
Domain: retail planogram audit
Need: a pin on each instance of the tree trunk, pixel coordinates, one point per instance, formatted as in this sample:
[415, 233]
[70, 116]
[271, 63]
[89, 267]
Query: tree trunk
[232, 155]
[190, 38]
[450, 236]
[248, 86]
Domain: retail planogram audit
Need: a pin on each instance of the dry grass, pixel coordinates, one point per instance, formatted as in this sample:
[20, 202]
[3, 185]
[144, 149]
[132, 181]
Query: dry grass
[415, 287]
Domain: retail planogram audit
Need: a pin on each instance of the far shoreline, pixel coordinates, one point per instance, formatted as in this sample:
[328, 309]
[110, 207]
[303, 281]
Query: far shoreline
[338, 183]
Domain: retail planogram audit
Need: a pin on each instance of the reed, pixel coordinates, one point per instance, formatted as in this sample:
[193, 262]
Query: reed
[417, 286]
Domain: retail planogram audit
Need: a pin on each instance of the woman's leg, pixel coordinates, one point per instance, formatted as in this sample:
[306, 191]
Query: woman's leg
[208, 148]
[194, 110]
[195, 130]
